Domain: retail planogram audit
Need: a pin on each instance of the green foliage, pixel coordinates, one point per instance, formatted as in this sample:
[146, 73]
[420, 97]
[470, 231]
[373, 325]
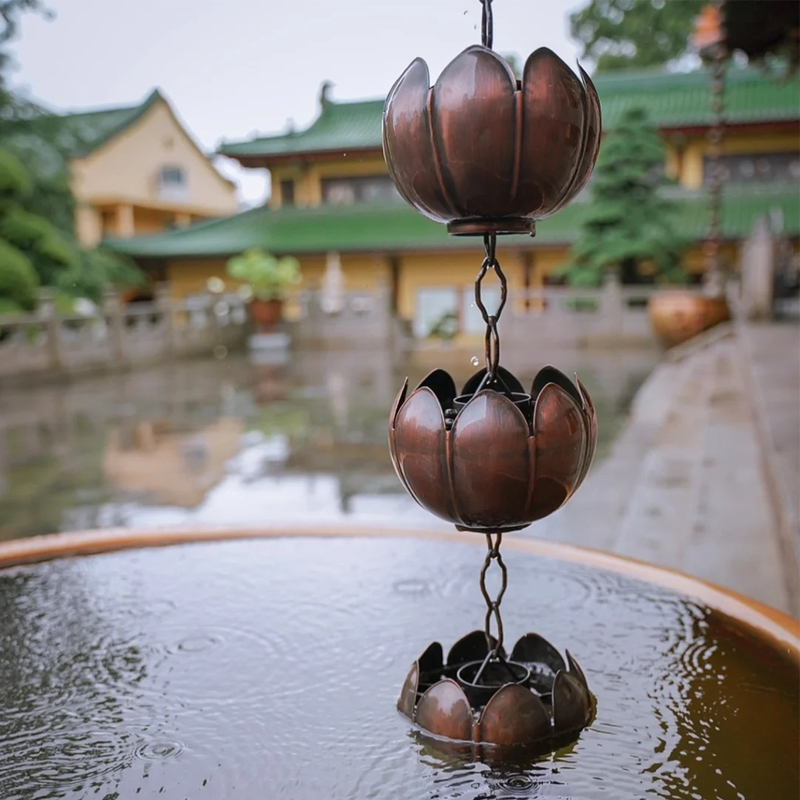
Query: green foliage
[268, 277]
[445, 328]
[94, 270]
[625, 34]
[629, 224]
[37, 241]
[15, 180]
[18, 280]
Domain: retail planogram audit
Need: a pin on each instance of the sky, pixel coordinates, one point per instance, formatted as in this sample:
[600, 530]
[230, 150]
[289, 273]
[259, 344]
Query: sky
[234, 68]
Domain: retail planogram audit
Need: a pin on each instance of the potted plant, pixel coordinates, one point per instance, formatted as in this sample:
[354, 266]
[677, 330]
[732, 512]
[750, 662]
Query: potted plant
[269, 279]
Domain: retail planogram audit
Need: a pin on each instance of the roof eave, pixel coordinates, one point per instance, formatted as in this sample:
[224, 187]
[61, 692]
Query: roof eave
[266, 161]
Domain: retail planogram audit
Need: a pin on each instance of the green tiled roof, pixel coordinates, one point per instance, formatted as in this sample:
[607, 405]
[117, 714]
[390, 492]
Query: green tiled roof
[340, 126]
[395, 227]
[81, 132]
[679, 99]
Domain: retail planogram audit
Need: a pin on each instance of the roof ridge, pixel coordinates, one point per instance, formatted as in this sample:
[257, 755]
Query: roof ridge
[150, 98]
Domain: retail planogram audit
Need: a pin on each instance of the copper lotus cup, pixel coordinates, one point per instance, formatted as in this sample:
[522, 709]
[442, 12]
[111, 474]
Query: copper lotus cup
[492, 461]
[511, 715]
[484, 152]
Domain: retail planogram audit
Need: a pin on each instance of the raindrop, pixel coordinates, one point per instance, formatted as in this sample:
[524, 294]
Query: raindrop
[220, 351]
[474, 361]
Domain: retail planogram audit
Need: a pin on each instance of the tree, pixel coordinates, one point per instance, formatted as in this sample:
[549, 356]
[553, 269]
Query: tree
[628, 226]
[37, 237]
[625, 34]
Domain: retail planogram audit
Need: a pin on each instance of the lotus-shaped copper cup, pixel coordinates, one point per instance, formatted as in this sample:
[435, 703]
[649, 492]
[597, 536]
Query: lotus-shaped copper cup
[491, 460]
[550, 705]
[486, 153]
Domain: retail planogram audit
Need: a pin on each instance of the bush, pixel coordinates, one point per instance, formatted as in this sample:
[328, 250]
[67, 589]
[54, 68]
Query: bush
[18, 280]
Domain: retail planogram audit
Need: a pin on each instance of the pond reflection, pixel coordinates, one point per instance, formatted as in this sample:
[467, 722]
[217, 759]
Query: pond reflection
[235, 442]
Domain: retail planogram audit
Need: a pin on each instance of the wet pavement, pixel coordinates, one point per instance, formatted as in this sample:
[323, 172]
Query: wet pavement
[701, 478]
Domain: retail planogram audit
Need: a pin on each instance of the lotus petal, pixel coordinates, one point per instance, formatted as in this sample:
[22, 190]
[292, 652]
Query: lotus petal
[591, 143]
[572, 705]
[419, 452]
[491, 463]
[590, 424]
[514, 716]
[444, 711]
[408, 694]
[560, 435]
[432, 659]
[575, 669]
[442, 385]
[398, 401]
[553, 131]
[535, 649]
[510, 381]
[407, 142]
[471, 647]
[473, 119]
[594, 125]
[550, 374]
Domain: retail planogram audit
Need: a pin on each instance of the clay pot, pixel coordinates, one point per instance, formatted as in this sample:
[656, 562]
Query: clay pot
[266, 314]
[676, 317]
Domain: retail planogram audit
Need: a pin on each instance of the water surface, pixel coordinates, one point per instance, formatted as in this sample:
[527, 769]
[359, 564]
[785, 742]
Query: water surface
[271, 668]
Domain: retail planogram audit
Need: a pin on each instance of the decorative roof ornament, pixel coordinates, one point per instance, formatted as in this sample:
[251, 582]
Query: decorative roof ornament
[487, 155]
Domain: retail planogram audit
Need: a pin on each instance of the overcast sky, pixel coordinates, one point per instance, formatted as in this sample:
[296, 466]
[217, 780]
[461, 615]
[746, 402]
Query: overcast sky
[236, 67]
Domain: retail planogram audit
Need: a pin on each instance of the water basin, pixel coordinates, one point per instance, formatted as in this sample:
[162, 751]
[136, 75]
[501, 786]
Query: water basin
[269, 667]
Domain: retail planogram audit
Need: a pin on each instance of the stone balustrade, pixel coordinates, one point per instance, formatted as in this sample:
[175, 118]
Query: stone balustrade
[116, 335]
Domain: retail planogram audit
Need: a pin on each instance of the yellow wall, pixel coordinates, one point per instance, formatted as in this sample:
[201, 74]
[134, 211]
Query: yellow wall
[690, 174]
[308, 178]
[124, 172]
[683, 162]
[361, 273]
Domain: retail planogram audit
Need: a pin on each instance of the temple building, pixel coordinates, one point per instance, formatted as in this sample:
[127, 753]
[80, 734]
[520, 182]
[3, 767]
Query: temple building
[136, 170]
[331, 194]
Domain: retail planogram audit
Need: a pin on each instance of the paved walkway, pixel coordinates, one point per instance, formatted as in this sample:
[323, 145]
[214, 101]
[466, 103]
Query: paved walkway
[706, 476]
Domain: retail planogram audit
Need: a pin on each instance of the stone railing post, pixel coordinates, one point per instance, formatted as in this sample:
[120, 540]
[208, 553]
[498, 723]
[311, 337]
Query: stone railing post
[612, 304]
[115, 314]
[163, 303]
[49, 315]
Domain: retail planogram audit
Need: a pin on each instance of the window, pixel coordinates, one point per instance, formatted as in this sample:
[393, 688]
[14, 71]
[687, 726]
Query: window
[287, 193]
[756, 168]
[436, 313]
[172, 184]
[471, 314]
[346, 191]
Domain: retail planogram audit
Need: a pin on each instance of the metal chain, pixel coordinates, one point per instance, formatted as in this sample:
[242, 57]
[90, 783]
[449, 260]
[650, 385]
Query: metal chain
[493, 605]
[487, 32]
[492, 338]
[716, 170]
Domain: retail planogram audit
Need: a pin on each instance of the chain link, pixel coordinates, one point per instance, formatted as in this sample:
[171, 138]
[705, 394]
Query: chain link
[493, 605]
[492, 338]
[487, 24]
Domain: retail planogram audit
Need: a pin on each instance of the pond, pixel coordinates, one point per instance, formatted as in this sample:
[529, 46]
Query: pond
[230, 441]
[270, 668]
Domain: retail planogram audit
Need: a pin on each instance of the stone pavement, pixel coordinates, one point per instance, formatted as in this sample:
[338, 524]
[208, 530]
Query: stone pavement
[706, 475]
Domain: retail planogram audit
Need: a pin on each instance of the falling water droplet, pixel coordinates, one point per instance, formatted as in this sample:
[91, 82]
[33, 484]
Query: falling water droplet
[474, 361]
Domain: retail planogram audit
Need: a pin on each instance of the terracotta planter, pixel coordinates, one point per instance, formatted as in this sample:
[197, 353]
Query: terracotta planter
[678, 316]
[266, 314]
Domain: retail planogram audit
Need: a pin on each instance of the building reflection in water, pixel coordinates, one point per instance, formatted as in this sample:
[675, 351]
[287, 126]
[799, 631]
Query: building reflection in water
[231, 441]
